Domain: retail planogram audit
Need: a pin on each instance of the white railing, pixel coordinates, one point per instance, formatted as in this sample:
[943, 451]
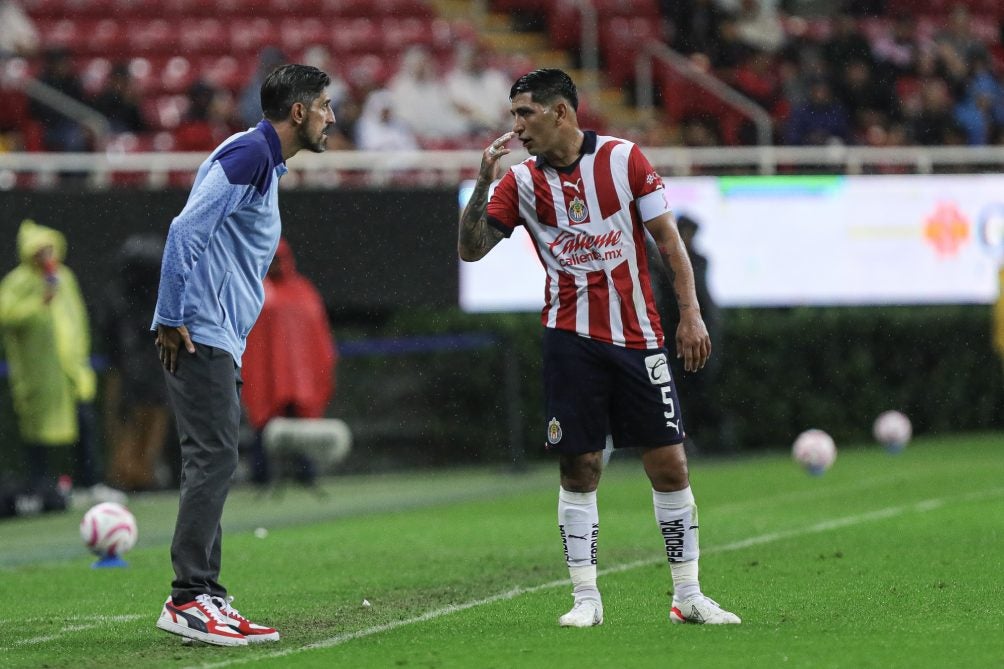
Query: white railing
[437, 168]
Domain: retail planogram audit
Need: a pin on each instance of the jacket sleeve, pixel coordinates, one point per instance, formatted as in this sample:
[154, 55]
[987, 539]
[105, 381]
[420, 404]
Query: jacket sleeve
[21, 299]
[211, 202]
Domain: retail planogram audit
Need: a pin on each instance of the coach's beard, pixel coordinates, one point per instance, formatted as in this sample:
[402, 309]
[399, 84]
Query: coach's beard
[317, 145]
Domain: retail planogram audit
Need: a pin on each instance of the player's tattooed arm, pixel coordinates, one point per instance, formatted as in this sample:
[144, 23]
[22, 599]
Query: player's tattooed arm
[476, 237]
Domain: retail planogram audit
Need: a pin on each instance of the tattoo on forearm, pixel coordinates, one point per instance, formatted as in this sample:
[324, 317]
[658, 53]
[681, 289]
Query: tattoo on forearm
[477, 237]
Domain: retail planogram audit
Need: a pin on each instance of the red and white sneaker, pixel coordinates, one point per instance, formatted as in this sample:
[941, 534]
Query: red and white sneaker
[201, 620]
[254, 632]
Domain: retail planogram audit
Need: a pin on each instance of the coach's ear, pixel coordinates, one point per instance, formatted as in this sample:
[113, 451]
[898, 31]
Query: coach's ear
[297, 113]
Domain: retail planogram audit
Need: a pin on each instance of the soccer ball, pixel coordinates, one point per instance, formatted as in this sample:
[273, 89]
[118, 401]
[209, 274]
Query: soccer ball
[814, 450]
[892, 429]
[108, 529]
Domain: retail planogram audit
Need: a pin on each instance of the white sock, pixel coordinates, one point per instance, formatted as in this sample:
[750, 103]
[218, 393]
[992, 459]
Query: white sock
[579, 524]
[676, 514]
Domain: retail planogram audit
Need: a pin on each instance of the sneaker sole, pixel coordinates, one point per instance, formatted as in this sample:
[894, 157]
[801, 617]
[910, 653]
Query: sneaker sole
[204, 637]
[262, 638]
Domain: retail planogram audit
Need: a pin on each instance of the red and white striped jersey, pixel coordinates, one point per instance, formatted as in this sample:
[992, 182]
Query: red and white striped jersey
[586, 220]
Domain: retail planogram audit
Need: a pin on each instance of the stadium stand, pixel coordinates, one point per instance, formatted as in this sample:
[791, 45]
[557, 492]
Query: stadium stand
[169, 46]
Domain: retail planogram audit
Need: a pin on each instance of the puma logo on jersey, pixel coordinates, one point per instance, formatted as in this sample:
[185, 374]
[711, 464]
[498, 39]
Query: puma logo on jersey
[575, 185]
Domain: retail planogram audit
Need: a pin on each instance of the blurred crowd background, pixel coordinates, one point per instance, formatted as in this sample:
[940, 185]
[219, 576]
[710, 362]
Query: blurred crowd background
[182, 75]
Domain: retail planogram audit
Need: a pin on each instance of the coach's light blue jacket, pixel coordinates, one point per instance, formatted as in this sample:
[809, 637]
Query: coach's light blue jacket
[220, 246]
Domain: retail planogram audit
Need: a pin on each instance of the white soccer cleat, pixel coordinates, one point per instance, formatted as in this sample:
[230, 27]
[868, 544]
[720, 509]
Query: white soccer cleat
[585, 613]
[701, 610]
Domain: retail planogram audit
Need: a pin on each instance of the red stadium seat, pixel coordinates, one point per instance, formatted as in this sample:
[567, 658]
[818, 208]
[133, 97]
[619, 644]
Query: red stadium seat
[203, 35]
[251, 35]
[354, 35]
[297, 33]
[619, 41]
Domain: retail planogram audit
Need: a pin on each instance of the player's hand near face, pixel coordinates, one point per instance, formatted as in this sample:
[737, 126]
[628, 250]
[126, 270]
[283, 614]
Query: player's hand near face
[169, 341]
[491, 156]
[693, 343]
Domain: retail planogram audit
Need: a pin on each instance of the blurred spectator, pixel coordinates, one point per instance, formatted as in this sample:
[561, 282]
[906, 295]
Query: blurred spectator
[479, 91]
[249, 102]
[821, 120]
[137, 415]
[864, 7]
[759, 26]
[47, 341]
[758, 79]
[379, 129]
[422, 100]
[957, 39]
[18, 35]
[695, 25]
[206, 122]
[980, 114]
[119, 100]
[60, 133]
[896, 51]
[728, 51]
[869, 101]
[289, 362]
[933, 123]
[846, 44]
[701, 132]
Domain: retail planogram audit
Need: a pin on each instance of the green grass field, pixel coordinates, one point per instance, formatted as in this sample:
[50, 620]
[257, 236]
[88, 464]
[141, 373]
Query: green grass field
[885, 561]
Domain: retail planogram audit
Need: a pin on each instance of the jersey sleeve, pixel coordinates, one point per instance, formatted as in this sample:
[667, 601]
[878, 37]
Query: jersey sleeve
[646, 186]
[503, 205]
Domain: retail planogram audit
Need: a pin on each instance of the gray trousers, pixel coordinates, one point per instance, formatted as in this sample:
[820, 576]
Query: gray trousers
[204, 393]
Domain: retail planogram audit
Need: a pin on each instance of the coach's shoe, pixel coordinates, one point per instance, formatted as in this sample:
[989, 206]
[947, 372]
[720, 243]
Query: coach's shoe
[254, 632]
[701, 610]
[585, 613]
[201, 620]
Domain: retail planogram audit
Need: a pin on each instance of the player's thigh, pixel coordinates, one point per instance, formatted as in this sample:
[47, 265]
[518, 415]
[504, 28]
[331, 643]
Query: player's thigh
[577, 387]
[645, 410]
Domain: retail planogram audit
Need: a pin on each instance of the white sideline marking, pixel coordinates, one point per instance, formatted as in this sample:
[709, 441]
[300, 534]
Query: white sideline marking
[94, 621]
[847, 521]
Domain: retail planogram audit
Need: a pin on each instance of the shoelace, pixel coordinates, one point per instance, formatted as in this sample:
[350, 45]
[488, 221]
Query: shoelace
[211, 608]
[229, 610]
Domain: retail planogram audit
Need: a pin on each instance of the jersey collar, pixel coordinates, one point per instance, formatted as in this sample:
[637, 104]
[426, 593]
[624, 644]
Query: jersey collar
[588, 146]
[272, 137]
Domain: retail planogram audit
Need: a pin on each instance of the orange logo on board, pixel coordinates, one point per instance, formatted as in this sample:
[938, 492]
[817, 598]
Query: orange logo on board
[947, 229]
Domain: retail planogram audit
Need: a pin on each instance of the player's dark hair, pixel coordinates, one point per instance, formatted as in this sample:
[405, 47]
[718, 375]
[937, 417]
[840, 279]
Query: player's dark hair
[288, 84]
[545, 86]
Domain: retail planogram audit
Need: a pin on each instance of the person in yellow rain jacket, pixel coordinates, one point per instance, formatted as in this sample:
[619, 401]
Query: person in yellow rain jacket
[46, 338]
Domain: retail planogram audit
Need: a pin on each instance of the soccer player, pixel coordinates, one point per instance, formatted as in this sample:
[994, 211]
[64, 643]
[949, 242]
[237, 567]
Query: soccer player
[217, 253]
[587, 201]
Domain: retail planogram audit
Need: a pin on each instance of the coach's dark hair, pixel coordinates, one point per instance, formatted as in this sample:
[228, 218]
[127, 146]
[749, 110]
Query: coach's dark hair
[288, 84]
[546, 85]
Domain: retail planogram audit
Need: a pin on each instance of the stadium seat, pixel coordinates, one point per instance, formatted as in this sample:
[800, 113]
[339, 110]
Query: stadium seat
[620, 38]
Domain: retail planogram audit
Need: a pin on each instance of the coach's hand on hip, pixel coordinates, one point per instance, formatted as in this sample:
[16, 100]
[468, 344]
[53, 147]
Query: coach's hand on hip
[169, 340]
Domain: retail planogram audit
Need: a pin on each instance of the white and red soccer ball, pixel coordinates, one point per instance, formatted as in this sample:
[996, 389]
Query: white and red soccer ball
[893, 430]
[815, 451]
[108, 529]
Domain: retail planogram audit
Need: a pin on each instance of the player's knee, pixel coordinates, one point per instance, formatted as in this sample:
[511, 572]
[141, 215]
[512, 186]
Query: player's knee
[581, 473]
